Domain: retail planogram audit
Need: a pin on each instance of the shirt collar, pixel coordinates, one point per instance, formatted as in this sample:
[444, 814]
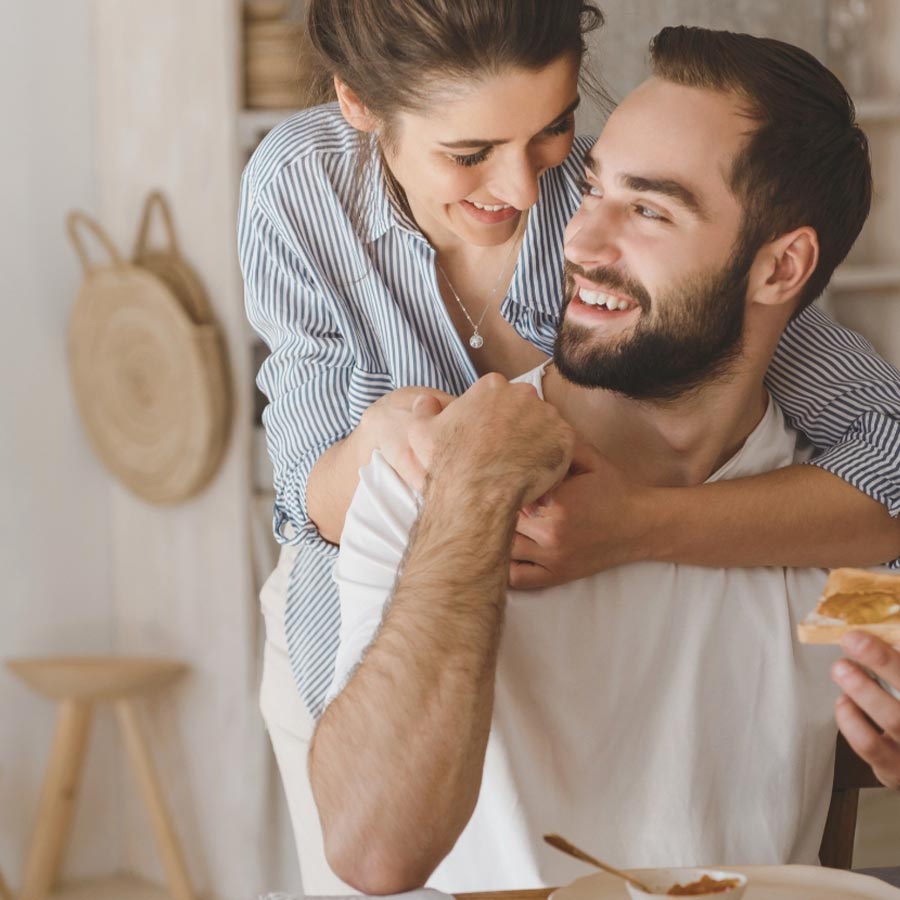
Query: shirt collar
[383, 212]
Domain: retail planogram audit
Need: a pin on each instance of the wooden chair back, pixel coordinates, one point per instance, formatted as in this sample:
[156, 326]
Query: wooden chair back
[850, 774]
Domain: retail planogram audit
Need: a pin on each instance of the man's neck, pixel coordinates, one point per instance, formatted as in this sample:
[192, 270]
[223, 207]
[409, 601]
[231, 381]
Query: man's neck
[673, 443]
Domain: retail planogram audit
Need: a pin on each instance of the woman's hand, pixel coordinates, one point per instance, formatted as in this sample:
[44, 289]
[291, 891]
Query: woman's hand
[593, 521]
[388, 421]
[877, 738]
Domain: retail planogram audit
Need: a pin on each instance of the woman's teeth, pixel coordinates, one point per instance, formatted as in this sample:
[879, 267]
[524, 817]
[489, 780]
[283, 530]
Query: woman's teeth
[599, 298]
[489, 208]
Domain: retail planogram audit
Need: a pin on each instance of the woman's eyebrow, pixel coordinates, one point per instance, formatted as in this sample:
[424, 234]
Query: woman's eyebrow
[495, 142]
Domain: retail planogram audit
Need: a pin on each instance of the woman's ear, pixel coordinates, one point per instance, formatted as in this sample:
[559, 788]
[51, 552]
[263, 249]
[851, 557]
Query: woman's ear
[783, 267]
[354, 110]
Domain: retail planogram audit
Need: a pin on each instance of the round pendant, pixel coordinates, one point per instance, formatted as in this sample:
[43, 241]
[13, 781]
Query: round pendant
[476, 341]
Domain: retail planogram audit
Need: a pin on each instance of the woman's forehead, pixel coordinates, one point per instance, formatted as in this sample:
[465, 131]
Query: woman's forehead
[497, 106]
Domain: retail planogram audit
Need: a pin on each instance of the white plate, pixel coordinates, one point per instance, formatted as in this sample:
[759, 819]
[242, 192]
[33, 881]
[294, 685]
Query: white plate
[764, 883]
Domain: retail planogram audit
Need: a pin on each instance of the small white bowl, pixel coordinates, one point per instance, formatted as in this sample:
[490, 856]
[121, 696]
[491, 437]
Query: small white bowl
[663, 879]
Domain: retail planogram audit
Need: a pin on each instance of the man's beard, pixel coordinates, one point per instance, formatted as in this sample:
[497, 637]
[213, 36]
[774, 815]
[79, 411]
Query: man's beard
[691, 341]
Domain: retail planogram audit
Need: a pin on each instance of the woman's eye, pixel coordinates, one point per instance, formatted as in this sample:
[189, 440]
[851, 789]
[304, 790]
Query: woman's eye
[472, 159]
[562, 127]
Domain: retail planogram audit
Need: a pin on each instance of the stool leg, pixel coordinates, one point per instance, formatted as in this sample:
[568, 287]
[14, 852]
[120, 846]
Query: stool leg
[169, 848]
[57, 802]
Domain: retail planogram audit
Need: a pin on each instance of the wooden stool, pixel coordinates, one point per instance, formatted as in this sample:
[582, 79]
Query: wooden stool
[77, 684]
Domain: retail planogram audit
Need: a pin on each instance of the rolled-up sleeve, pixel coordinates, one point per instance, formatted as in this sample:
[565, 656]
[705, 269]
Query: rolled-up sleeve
[309, 374]
[834, 387]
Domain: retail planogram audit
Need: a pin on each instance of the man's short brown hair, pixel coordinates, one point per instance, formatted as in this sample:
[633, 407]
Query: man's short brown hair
[806, 160]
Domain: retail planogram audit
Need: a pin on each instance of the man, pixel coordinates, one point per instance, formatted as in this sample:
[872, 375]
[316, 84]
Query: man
[656, 714]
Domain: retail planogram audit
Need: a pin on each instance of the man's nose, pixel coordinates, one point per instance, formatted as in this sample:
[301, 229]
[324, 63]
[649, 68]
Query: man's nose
[590, 240]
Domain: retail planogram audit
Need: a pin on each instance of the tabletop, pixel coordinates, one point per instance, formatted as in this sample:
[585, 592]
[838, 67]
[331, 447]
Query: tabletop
[890, 875]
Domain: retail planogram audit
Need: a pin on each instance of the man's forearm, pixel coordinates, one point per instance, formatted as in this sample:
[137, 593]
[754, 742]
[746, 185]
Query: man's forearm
[396, 760]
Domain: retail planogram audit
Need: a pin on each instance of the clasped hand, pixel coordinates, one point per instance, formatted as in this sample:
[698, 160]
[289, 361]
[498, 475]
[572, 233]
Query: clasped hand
[588, 520]
[592, 521]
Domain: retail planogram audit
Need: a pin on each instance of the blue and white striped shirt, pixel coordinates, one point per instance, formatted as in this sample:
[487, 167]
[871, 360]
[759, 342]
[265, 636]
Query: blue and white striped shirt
[350, 315]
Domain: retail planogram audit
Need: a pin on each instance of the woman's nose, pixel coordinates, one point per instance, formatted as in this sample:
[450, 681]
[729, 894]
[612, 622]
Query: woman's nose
[517, 181]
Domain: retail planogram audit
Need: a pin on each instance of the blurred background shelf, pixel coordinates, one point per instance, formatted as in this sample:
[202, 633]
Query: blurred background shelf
[877, 277]
[254, 124]
[877, 109]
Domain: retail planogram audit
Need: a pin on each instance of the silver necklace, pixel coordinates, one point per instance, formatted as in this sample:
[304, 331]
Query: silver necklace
[476, 341]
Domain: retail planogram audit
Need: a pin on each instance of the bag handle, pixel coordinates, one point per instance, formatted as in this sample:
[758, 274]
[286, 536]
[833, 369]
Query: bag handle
[155, 201]
[77, 220]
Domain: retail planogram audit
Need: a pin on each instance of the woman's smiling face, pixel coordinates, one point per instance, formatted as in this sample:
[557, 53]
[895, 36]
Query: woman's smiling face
[471, 163]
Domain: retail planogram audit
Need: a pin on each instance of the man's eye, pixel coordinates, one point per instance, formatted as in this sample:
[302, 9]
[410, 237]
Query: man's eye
[588, 189]
[646, 213]
[472, 159]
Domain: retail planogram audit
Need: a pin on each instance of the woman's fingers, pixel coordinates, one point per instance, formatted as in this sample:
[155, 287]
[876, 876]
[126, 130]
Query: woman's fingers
[524, 576]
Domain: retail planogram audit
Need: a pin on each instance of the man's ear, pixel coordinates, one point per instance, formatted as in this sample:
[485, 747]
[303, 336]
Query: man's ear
[783, 267]
[354, 110]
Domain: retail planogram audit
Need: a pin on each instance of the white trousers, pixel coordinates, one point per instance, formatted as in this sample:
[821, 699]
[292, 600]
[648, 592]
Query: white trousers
[290, 728]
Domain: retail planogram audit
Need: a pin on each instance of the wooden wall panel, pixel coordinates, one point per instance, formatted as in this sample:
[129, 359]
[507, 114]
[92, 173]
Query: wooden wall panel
[167, 101]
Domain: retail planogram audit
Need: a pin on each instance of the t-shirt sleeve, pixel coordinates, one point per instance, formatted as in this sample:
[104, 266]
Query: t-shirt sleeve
[837, 390]
[373, 545]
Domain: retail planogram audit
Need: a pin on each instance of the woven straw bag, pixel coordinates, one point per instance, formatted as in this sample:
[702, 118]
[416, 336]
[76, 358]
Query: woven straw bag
[148, 364]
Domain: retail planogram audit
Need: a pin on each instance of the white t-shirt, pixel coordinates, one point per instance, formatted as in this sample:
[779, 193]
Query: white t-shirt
[654, 714]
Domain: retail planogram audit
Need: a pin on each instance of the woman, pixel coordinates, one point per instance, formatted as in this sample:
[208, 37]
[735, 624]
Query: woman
[434, 257]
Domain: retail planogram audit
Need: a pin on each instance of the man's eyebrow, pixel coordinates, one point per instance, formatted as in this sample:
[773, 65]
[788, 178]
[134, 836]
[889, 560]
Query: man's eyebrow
[494, 142]
[668, 187]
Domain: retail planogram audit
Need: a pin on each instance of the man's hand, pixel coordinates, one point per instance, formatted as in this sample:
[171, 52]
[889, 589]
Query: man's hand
[497, 435]
[876, 741]
[591, 522]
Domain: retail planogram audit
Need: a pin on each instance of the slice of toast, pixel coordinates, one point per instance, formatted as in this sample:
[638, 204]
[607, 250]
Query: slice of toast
[854, 600]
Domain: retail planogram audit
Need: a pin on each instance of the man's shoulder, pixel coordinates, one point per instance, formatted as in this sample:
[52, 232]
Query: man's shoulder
[772, 444]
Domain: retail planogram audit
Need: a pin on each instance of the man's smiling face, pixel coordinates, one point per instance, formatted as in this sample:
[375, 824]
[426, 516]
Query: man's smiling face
[655, 297]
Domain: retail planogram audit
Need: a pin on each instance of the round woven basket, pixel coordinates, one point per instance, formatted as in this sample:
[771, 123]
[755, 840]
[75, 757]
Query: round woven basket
[148, 368]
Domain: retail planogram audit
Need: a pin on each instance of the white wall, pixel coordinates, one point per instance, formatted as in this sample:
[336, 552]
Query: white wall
[619, 50]
[167, 92]
[54, 500]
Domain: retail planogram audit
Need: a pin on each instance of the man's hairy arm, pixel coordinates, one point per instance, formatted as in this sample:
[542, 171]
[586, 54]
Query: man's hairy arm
[396, 759]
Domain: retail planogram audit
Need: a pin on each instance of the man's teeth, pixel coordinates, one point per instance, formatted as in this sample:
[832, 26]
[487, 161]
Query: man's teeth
[599, 298]
[485, 206]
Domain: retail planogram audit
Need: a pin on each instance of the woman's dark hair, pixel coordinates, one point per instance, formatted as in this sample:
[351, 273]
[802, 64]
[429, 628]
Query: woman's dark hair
[395, 54]
[398, 55]
[805, 162]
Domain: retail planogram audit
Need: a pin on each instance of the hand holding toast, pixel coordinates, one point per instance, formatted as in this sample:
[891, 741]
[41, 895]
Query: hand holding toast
[866, 713]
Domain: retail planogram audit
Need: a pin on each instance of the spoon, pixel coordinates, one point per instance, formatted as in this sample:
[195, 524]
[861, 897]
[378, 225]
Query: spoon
[560, 843]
